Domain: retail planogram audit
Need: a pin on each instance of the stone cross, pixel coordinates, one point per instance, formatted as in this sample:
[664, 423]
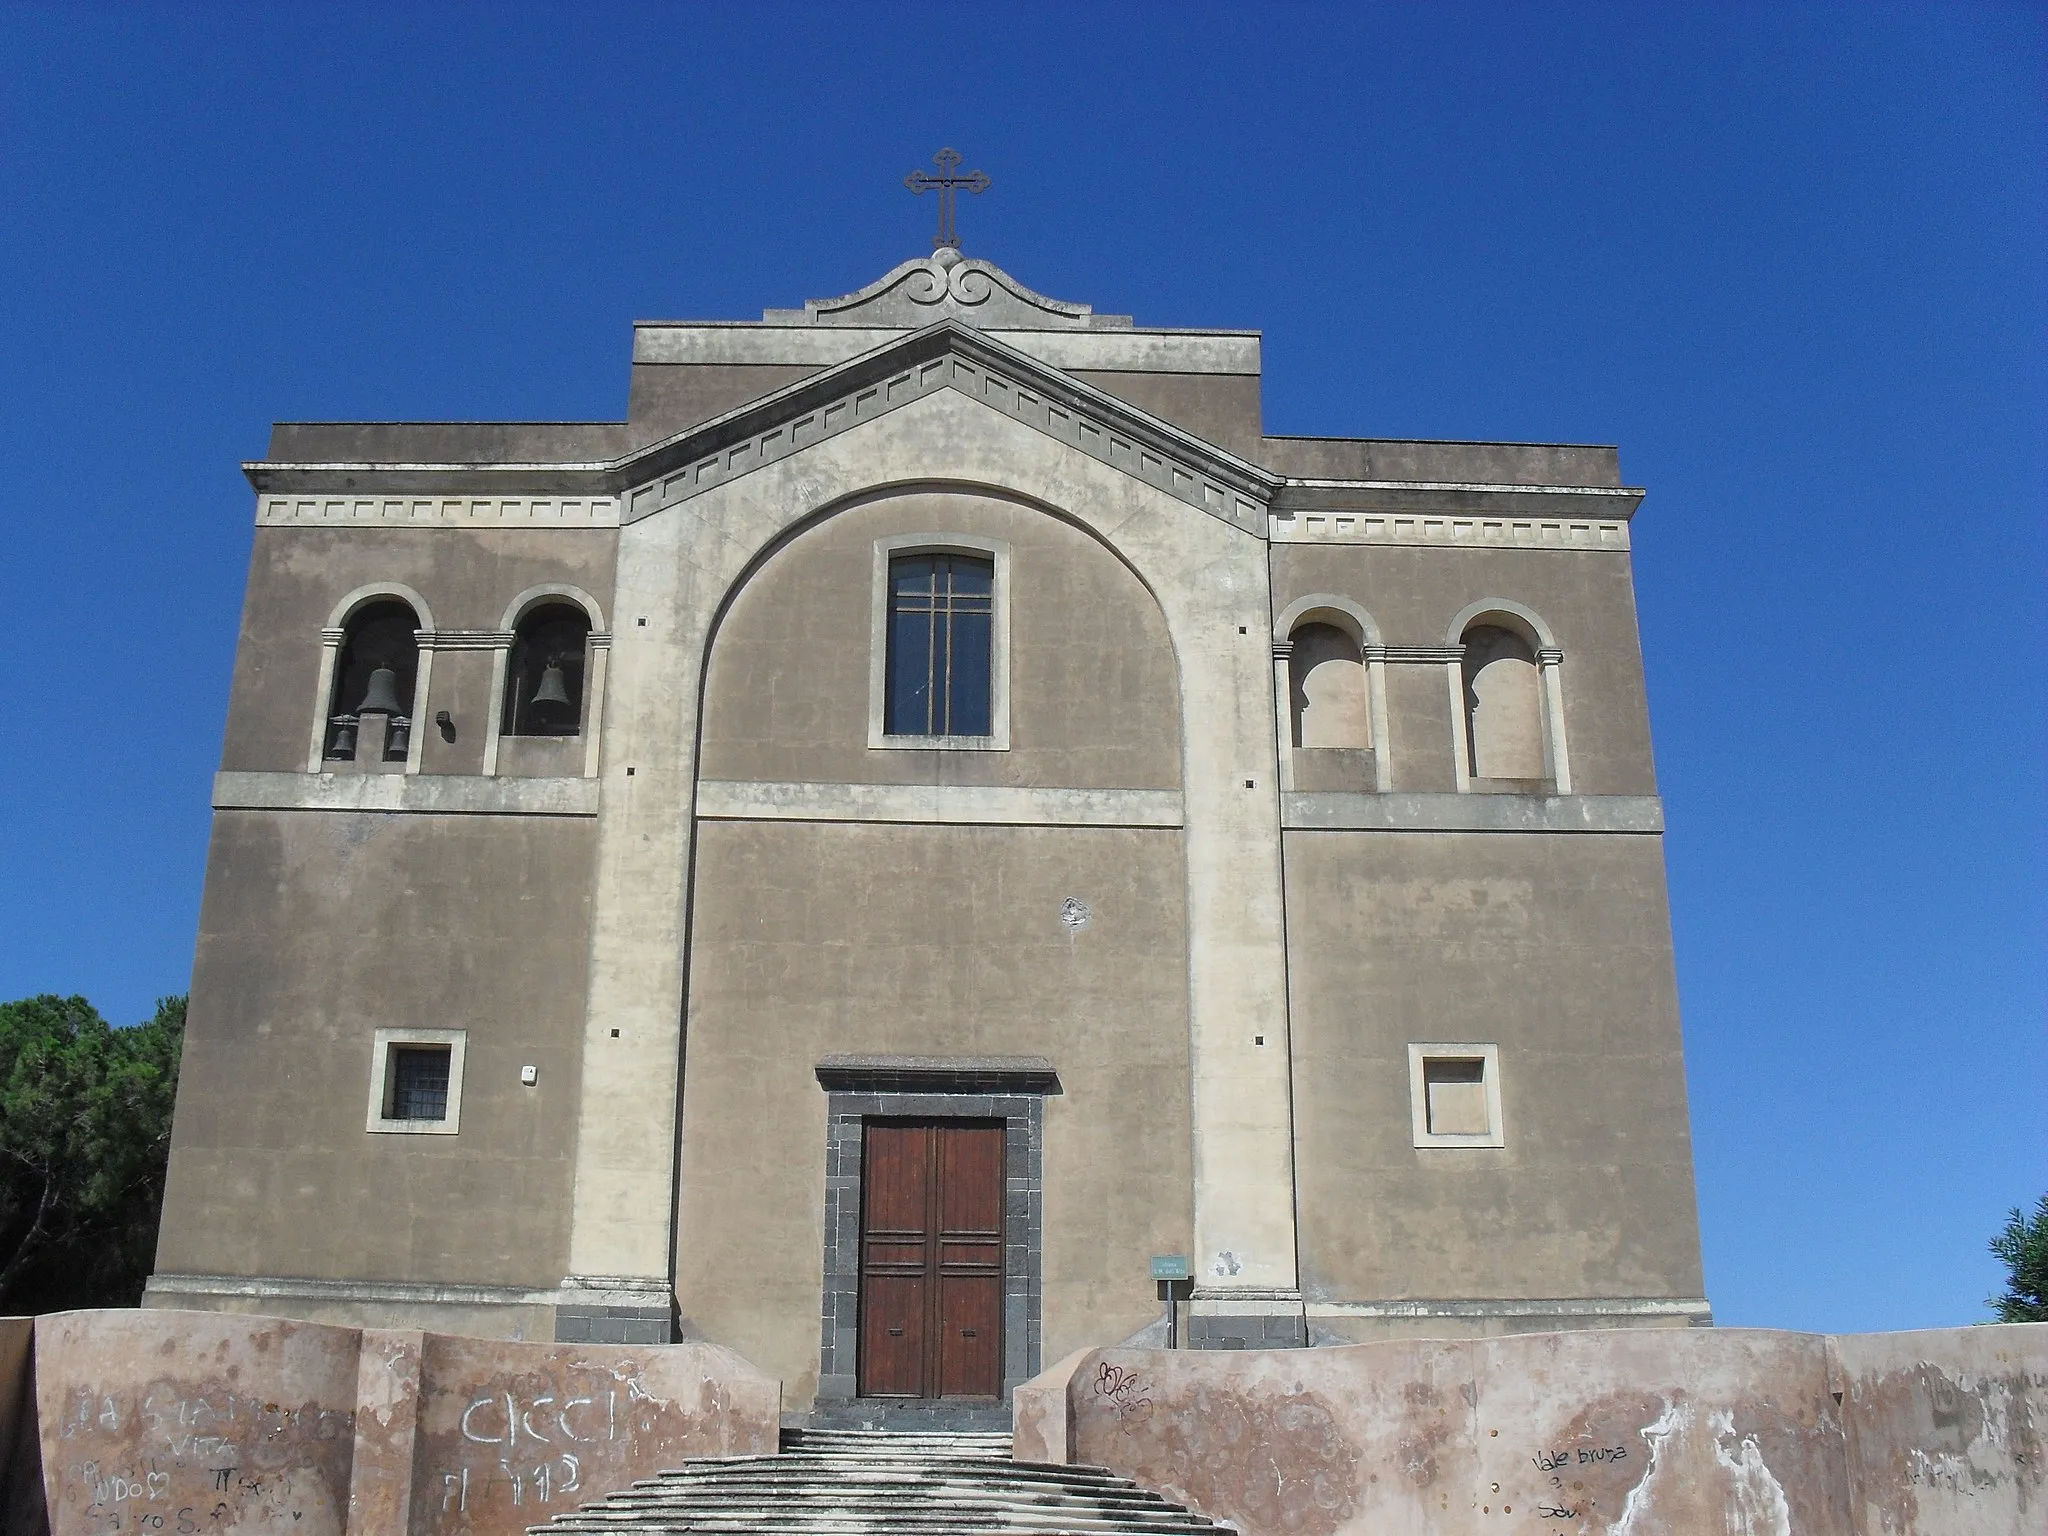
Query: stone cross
[945, 184]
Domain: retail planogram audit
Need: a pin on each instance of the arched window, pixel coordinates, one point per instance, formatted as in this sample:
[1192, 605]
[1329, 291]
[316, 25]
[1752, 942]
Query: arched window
[1503, 706]
[1326, 671]
[941, 627]
[369, 715]
[544, 674]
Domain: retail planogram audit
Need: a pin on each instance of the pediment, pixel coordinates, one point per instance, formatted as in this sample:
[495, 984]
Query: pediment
[949, 356]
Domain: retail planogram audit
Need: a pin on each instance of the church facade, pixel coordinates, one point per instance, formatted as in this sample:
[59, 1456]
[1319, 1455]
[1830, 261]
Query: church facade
[934, 813]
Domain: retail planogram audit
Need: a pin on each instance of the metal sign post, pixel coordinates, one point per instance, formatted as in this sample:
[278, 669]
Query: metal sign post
[1171, 1271]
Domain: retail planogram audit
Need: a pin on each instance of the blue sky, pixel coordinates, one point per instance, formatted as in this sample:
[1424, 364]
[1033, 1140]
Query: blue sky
[1791, 259]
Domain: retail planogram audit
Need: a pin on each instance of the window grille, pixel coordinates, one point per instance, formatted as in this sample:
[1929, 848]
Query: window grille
[941, 623]
[419, 1082]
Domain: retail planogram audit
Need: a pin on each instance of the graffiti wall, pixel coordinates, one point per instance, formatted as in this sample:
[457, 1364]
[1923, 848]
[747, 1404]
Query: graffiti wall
[1623, 1433]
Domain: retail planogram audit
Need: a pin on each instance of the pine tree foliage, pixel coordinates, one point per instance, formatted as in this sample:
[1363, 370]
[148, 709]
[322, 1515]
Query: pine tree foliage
[85, 1134]
[2022, 1246]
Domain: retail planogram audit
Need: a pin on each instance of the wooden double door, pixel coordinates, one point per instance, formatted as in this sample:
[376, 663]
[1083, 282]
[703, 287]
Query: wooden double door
[931, 1259]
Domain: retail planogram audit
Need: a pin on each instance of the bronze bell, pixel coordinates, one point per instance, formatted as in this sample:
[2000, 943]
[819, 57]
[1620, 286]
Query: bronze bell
[553, 687]
[382, 696]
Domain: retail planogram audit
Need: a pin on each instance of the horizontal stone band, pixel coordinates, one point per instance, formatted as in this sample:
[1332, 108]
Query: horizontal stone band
[1471, 813]
[946, 804]
[1568, 1306]
[439, 794]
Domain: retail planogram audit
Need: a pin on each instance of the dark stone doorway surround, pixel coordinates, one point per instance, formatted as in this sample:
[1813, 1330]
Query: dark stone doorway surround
[1008, 1091]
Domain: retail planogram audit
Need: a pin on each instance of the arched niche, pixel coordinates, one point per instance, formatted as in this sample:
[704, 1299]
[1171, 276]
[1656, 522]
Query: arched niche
[1508, 700]
[1330, 680]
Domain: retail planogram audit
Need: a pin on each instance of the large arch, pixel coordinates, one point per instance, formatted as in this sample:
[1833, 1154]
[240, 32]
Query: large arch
[887, 883]
[677, 568]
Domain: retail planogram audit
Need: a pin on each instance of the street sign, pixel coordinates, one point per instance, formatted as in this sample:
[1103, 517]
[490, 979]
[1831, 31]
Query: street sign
[1169, 1266]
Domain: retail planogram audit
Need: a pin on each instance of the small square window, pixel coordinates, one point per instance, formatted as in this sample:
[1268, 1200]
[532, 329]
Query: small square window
[416, 1081]
[1454, 1093]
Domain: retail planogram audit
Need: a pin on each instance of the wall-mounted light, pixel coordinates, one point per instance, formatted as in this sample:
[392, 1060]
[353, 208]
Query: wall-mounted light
[447, 723]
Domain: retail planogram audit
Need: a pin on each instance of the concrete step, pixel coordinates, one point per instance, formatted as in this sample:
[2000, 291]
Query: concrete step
[870, 1470]
[937, 1499]
[853, 1482]
[910, 1416]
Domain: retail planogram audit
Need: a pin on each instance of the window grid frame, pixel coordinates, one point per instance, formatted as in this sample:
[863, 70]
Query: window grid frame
[973, 546]
[941, 611]
[411, 1085]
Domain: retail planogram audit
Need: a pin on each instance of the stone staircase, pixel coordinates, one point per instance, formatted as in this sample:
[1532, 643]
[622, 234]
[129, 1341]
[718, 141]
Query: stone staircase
[836, 1482]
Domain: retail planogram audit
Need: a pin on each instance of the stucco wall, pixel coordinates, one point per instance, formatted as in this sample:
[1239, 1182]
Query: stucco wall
[1587, 599]
[1379, 458]
[467, 577]
[317, 930]
[1947, 1429]
[1221, 408]
[670, 397]
[1556, 948]
[812, 939]
[1741, 1431]
[1094, 693]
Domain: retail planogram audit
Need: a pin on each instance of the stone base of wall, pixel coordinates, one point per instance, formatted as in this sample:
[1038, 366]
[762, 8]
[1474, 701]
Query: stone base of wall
[163, 1421]
[1648, 1431]
[474, 1311]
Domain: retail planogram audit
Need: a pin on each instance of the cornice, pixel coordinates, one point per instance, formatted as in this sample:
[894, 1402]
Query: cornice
[1415, 515]
[948, 354]
[1314, 510]
[347, 509]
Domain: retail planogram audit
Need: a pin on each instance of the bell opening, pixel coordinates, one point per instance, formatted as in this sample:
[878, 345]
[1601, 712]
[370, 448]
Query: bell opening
[544, 686]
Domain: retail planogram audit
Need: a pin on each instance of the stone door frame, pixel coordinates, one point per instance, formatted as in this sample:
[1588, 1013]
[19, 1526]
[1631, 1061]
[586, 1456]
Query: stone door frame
[1011, 1089]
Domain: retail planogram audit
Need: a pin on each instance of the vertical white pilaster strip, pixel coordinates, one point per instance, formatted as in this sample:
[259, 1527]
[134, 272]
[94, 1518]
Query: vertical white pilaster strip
[1211, 581]
[593, 693]
[323, 698]
[1461, 736]
[1283, 710]
[416, 743]
[1553, 718]
[1376, 703]
[494, 711]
